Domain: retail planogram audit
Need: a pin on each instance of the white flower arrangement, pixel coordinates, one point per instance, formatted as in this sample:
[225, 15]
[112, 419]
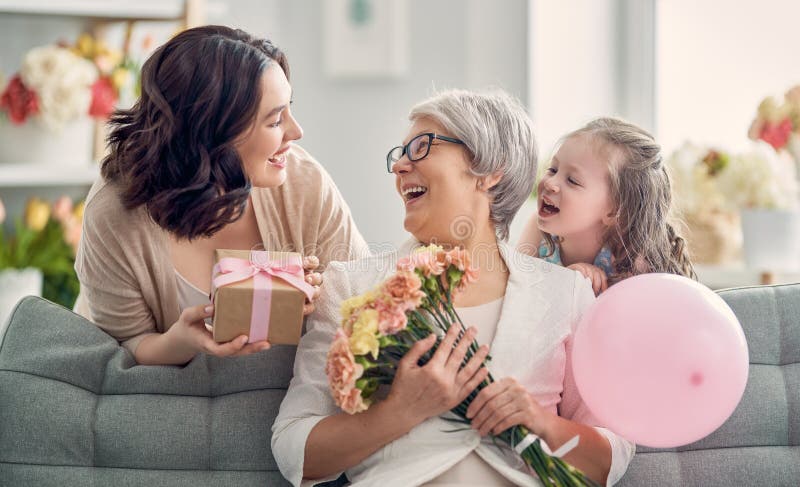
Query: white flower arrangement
[63, 82]
[694, 178]
[763, 178]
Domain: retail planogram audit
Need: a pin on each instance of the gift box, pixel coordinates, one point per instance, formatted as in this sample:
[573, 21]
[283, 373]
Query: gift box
[259, 294]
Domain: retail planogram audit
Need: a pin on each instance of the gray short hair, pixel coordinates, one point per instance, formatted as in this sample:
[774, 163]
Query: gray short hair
[498, 132]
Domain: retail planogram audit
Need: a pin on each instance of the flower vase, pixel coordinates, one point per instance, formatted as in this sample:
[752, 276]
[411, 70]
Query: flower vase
[15, 284]
[33, 143]
[771, 239]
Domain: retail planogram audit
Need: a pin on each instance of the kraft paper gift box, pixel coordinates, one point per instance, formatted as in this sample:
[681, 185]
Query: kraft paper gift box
[259, 294]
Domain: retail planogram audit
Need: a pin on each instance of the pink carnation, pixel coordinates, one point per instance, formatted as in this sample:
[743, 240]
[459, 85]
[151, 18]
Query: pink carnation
[459, 258]
[425, 262]
[777, 134]
[352, 402]
[391, 319]
[343, 371]
[403, 289]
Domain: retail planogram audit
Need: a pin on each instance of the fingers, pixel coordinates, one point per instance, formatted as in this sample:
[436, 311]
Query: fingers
[514, 419]
[604, 281]
[475, 380]
[471, 367]
[446, 346]
[197, 313]
[253, 348]
[418, 350]
[456, 358]
[314, 278]
[224, 349]
[308, 308]
[496, 414]
[597, 283]
[485, 396]
[310, 262]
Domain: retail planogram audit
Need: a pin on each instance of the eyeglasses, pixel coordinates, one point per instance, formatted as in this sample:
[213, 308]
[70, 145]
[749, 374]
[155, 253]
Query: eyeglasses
[416, 149]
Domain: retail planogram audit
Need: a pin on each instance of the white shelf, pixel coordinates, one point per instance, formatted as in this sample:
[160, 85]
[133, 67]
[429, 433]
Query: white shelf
[145, 9]
[737, 274]
[40, 175]
[117, 9]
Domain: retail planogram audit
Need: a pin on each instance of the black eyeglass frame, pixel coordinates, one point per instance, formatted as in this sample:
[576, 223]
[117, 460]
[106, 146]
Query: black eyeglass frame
[405, 148]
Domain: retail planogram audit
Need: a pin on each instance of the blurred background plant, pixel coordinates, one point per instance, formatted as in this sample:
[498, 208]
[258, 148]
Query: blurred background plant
[46, 238]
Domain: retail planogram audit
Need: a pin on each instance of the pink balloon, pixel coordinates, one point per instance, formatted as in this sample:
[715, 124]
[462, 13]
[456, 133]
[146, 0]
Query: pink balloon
[660, 359]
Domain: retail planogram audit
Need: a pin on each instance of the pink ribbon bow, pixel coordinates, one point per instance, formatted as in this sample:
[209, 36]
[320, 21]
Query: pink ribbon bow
[231, 269]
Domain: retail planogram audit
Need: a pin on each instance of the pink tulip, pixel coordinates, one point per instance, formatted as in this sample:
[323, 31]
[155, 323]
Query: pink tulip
[62, 209]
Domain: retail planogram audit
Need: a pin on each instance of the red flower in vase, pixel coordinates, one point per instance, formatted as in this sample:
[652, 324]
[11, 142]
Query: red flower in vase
[104, 97]
[18, 101]
[776, 134]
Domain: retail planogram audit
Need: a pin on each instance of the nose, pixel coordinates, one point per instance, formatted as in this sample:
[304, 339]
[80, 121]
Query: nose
[402, 165]
[294, 131]
[550, 185]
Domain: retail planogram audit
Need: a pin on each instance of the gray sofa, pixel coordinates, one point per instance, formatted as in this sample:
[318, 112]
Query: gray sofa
[74, 410]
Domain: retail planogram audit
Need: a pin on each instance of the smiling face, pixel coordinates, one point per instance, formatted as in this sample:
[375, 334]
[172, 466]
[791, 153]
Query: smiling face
[439, 192]
[263, 146]
[574, 197]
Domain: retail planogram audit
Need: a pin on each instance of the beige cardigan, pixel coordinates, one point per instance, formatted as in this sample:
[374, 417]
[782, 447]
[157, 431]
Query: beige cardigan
[124, 266]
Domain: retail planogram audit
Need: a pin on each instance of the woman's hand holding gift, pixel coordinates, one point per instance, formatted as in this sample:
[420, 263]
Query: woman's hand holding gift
[504, 404]
[442, 383]
[310, 263]
[190, 335]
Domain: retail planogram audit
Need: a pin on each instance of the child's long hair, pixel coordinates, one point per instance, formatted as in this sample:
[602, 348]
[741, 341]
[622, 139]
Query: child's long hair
[642, 239]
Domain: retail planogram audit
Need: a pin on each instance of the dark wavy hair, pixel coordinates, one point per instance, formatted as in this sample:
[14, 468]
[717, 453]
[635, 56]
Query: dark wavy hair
[174, 150]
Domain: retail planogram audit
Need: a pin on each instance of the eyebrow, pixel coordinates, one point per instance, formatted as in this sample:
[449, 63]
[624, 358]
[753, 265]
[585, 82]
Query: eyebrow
[275, 111]
[281, 108]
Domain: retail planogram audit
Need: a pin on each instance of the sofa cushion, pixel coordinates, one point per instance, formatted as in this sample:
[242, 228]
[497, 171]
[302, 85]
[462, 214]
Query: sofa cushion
[74, 405]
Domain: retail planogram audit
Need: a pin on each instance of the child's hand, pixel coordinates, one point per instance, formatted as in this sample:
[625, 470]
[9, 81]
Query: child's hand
[595, 274]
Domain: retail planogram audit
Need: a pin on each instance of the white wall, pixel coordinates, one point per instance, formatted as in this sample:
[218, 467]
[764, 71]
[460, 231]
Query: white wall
[717, 60]
[350, 124]
[574, 59]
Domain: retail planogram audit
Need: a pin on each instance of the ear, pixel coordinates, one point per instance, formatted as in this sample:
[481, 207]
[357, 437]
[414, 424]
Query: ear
[610, 219]
[486, 183]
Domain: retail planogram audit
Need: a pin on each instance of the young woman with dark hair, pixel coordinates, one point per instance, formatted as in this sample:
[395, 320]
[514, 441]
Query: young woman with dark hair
[204, 160]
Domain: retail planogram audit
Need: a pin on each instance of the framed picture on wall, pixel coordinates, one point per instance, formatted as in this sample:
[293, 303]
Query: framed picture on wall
[365, 38]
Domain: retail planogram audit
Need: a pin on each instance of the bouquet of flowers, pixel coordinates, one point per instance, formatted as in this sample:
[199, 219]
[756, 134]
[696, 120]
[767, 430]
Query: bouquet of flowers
[47, 239]
[778, 124]
[380, 326]
[761, 178]
[713, 229]
[59, 83]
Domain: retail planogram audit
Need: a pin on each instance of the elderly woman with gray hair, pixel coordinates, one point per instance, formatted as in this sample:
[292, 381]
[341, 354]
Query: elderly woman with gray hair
[464, 169]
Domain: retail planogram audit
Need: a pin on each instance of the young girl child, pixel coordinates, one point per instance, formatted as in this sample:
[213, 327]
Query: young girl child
[604, 206]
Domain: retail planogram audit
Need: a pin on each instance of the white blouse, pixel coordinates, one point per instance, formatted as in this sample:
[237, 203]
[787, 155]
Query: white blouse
[532, 342]
[473, 471]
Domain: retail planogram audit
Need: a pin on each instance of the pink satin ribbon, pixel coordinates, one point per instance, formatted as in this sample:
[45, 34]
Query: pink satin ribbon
[231, 269]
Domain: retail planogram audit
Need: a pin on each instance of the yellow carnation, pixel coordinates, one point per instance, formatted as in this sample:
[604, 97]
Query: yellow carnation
[365, 330]
[350, 305]
[431, 248]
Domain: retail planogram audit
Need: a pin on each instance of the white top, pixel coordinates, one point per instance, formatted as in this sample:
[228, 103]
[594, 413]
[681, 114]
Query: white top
[533, 343]
[188, 294]
[473, 470]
